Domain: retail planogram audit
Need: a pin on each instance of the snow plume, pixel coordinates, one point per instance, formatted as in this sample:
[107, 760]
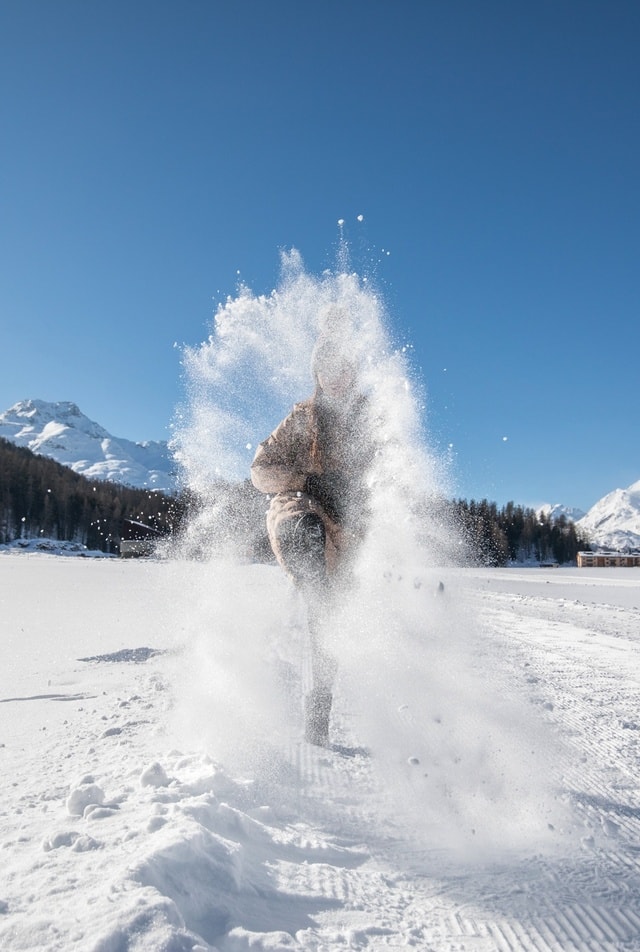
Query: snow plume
[257, 363]
[466, 762]
[414, 685]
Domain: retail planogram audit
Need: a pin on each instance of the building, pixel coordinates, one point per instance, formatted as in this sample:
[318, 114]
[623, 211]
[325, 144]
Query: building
[605, 560]
[137, 539]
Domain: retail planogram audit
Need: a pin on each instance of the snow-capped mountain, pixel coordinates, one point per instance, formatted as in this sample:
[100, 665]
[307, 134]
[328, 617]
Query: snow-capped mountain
[63, 433]
[557, 510]
[614, 521]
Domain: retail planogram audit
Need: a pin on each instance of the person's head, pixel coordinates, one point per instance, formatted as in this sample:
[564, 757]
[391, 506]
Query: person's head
[334, 374]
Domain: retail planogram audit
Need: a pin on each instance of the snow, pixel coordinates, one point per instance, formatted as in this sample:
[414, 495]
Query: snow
[54, 547]
[170, 803]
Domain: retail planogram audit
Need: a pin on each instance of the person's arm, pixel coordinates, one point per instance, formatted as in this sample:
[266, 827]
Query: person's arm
[276, 465]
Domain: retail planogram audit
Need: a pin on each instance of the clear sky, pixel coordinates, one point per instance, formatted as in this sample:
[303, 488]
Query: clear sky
[154, 151]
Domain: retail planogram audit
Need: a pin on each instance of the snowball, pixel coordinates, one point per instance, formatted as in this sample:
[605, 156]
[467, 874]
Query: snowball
[84, 796]
[154, 776]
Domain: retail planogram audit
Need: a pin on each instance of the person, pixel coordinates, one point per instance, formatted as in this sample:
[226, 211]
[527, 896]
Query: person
[314, 468]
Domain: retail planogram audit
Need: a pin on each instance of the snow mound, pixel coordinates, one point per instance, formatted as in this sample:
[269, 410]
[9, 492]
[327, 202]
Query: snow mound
[54, 547]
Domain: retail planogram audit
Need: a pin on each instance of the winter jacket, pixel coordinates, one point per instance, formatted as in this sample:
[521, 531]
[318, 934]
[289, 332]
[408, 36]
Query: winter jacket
[318, 440]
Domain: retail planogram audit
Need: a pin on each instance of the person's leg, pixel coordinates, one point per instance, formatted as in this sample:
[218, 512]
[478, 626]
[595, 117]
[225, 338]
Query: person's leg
[323, 669]
[302, 544]
[299, 539]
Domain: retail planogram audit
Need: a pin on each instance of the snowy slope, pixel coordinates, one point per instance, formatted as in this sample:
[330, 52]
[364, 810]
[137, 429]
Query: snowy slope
[614, 521]
[61, 431]
[123, 828]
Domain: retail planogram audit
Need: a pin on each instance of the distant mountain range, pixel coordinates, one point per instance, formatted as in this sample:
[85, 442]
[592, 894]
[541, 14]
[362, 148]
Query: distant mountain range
[63, 433]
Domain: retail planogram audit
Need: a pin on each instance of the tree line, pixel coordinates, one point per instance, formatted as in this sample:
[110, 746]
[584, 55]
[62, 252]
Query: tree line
[40, 498]
[515, 533]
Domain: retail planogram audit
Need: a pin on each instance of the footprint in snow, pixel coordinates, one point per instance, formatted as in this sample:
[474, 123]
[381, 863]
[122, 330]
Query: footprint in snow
[609, 827]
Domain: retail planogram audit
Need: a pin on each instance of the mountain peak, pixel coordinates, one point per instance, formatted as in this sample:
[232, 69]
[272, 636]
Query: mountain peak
[61, 431]
[557, 510]
[614, 521]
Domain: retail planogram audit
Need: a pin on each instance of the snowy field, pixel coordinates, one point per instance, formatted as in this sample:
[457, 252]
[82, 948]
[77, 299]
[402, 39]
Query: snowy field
[482, 792]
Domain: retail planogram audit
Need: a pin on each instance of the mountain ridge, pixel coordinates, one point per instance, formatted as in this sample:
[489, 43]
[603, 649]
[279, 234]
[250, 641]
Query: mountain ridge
[61, 431]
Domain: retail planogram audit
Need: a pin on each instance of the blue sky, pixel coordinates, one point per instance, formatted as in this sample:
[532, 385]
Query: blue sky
[152, 152]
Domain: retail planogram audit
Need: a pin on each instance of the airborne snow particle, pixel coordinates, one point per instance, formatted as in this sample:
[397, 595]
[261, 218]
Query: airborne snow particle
[341, 221]
[360, 217]
[504, 439]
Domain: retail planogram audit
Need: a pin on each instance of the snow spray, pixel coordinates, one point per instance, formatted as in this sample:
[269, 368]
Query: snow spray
[414, 688]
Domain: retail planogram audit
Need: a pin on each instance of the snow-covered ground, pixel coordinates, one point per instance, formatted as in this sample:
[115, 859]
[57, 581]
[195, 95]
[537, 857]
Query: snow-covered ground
[482, 792]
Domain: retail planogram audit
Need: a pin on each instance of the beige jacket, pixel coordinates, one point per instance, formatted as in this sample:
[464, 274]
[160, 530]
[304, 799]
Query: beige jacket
[313, 441]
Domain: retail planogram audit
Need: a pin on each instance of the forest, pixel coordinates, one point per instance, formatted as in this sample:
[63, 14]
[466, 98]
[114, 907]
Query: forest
[40, 498]
[515, 534]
